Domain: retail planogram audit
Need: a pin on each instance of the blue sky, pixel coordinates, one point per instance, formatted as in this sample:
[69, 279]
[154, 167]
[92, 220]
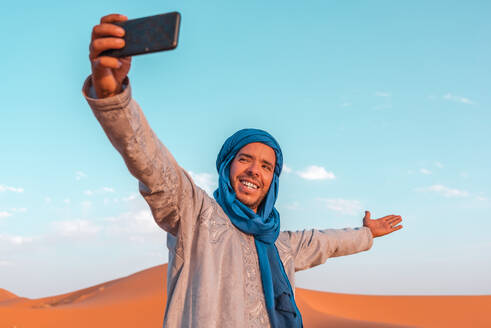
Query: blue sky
[378, 105]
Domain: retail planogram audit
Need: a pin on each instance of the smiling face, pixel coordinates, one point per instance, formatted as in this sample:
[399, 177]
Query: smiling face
[251, 173]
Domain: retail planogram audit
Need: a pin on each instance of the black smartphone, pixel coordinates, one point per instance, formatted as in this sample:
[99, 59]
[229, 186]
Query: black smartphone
[148, 34]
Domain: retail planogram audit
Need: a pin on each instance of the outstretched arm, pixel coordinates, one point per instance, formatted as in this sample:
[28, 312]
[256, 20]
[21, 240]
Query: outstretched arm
[313, 247]
[166, 187]
[310, 248]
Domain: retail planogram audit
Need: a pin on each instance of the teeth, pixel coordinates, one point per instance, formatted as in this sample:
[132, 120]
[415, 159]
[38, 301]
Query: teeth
[248, 184]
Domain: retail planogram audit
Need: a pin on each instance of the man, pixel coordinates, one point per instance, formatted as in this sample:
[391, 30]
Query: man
[229, 265]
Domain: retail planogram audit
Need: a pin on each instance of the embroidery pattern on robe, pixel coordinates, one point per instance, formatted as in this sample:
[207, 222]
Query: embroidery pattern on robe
[255, 309]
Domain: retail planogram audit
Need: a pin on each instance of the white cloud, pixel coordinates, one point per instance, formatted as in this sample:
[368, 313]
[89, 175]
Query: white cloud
[482, 198]
[445, 191]
[76, 227]
[424, 171]
[346, 104]
[19, 210]
[15, 240]
[382, 94]
[47, 200]
[137, 239]
[344, 206]
[79, 175]
[67, 201]
[6, 263]
[286, 169]
[116, 200]
[384, 106]
[439, 165]
[86, 204]
[459, 99]
[8, 188]
[314, 172]
[135, 223]
[207, 181]
[145, 220]
[130, 197]
[102, 190]
[5, 214]
[293, 206]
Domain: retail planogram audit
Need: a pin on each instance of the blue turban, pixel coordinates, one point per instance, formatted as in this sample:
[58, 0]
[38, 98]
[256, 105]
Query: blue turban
[263, 225]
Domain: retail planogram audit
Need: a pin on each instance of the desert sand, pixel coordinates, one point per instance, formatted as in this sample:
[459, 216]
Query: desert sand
[139, 301]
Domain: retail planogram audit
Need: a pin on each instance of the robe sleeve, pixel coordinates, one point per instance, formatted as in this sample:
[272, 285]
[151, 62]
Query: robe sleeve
[166, 187]
[314, 247]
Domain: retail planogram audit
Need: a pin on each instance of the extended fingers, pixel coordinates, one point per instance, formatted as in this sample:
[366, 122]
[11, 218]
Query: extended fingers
[113, 18]
[396, 227]
[107, 61]
[106, 35]
[99, 45]
[391, 217]
[394, 220]
[105, 30]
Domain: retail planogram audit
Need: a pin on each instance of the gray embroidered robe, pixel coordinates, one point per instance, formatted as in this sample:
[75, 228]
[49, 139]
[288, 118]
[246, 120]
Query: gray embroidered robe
[213, 272]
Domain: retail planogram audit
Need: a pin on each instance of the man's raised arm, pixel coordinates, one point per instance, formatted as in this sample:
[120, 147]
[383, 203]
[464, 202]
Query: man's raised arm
[166, 187]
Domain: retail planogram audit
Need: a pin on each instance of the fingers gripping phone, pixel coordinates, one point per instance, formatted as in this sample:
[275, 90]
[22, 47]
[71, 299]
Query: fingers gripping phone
[148, 34]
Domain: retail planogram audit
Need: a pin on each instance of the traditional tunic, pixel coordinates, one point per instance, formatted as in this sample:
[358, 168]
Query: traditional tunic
[213, 277]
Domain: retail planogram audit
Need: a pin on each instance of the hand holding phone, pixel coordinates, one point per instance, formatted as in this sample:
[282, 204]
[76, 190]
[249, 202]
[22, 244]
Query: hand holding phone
[148, 34]
[108, 73]
[116, 39]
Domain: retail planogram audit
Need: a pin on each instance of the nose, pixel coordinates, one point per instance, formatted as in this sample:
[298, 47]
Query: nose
[253, 169]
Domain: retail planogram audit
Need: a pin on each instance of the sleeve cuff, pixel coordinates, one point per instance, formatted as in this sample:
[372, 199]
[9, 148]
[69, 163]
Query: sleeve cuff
[118, 101]
[369, 236]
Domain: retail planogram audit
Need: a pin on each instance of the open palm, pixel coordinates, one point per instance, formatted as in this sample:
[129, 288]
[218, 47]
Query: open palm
[382, 226]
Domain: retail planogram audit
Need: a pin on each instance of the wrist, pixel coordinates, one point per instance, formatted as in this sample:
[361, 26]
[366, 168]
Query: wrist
[100, 93]
[372, 231]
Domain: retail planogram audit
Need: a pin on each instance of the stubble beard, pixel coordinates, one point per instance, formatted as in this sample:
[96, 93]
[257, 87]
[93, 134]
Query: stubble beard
[252, 204]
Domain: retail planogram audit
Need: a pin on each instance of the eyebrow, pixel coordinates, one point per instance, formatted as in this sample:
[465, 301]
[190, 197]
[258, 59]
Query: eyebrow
[252, 157]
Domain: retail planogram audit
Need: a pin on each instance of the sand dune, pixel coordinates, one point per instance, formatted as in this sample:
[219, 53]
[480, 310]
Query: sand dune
[138, 301]
[6, 295]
